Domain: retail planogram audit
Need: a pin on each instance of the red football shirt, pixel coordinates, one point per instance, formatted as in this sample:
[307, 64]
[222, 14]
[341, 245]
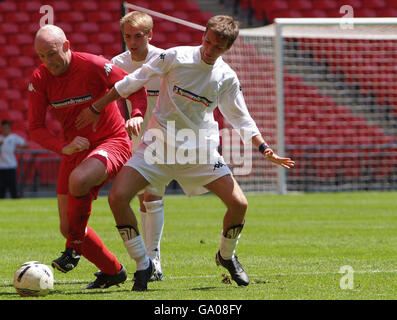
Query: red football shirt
[87, 79]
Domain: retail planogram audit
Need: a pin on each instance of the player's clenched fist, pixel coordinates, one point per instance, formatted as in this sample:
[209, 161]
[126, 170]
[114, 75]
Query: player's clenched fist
[133, 126]
[78, 144]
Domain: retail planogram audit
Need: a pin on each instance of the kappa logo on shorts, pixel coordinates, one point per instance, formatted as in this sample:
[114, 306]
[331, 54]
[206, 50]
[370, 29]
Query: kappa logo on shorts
[218, 165]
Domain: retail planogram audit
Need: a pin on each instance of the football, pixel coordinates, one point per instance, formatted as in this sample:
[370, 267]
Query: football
[33, 279]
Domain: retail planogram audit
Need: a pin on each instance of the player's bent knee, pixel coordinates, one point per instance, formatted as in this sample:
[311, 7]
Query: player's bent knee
[239, 205]
[117, 197]
[78, 186]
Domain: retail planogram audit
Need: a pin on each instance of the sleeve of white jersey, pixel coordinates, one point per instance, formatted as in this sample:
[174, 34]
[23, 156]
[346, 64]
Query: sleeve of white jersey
[157, 66]
[233, 107]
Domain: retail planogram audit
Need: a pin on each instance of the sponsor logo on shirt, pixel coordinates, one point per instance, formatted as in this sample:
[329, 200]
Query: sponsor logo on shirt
[192, 96]
[162, 56]
[152, 93]
[70, 101]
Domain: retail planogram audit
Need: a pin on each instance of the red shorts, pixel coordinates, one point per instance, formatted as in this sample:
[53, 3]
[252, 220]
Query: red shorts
[112, 152]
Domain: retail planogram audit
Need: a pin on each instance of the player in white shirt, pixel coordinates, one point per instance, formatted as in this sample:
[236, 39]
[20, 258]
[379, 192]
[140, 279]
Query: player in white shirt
[8, 162]
[195, 80]
[136, 28]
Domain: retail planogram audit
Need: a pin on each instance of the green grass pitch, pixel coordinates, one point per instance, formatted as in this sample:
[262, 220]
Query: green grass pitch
[292, 246]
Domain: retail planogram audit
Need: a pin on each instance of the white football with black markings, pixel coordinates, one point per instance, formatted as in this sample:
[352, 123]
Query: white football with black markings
[33, 279]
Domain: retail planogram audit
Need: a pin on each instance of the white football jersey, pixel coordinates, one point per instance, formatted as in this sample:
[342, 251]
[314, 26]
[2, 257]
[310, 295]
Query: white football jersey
[190, 91]
[125, 62]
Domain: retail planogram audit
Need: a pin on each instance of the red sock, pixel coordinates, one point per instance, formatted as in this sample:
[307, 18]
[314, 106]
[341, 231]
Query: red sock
[84, 239]
[79, 210]
[95, 251]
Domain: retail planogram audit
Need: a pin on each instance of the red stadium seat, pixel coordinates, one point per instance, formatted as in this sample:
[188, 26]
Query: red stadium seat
[21, 39]
[12, 72]
[29, 6]
[300, 4]
[3, 106]
[87, 27]
[90, 5]
[8, 6]
[18, 17]
[99, 16]
[110, 6]
[61, 5]
[326, 5]
[16, 115]
[272, 4]
[374, 4]
[284, 14]
[386, 12]
[103, 38]
[163, 6]
[187, 5]
[353, 3]
[8, 28]
[3, 83]
[21, 61]
[165, 27]
[21, 105]
[364, 12]
[72, 16]
[76, 38]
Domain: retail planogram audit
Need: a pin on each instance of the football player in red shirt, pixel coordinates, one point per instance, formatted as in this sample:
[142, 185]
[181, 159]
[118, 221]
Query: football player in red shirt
[66, 83]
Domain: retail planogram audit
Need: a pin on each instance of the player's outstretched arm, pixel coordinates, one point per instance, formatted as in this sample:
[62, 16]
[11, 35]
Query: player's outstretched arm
[270, 155]
[91, 114]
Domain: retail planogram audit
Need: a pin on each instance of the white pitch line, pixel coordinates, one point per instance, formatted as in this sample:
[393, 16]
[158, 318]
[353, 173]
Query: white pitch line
[251, 275]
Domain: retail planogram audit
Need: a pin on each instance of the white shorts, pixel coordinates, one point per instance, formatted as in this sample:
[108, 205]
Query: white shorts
[191, 177]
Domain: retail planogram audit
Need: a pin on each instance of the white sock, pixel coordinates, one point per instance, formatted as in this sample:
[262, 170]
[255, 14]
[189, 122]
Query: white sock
[154, 224]
[137, 251]
[142, 216]
[228, 247]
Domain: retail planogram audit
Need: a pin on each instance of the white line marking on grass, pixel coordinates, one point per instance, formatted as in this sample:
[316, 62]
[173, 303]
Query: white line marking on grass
[251, 275]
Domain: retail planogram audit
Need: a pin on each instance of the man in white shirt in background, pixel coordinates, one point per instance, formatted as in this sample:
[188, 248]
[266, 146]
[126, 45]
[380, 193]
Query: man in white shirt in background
[8, 162]
[195, 80]
[136, 28]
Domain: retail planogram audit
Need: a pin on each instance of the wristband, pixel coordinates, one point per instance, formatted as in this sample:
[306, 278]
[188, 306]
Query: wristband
[94, 110]
[263, 147]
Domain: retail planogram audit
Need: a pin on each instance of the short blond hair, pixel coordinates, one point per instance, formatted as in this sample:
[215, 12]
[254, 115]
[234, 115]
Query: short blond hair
[225, 27]
[137, 19]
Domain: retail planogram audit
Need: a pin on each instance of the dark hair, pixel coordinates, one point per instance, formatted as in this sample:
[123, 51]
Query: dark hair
[224, 27]
[5, 122]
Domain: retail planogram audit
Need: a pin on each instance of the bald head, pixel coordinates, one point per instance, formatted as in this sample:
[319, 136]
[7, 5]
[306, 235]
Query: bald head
[50, 33]
[53, 48]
